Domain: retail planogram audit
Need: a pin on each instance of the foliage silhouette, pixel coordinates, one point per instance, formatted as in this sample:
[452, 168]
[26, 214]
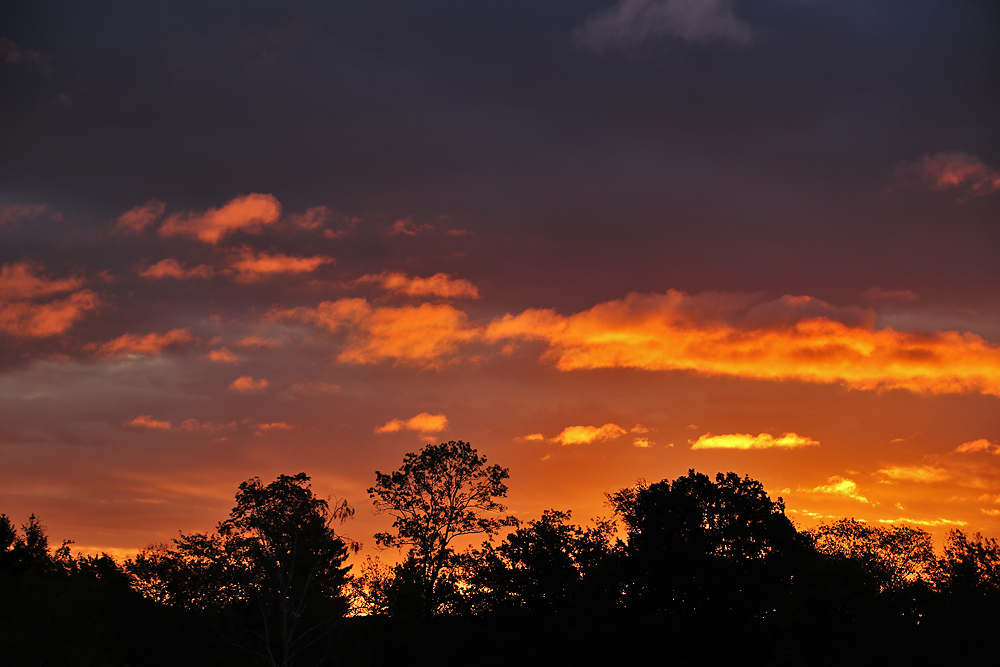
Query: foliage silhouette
[698, 546]
[271, 575]
[441, 493]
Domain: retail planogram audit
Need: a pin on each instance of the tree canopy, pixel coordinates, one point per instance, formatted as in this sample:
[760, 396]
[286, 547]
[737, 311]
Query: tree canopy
[440, 493]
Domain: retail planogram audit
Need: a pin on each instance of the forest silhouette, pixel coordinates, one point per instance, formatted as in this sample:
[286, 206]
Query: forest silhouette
[694, 569]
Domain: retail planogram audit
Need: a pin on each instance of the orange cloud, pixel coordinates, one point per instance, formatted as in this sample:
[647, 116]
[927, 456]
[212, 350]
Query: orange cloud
[952, 170]
[407, 227]
[139, 218]
[22, 280]
[747, 441]
[251, 267]
[421, 335]
[195, 425]
[249, 213]
[171, 268]
[838, 486]
[643, 443]
[914, 474]
[931, 523]
[223, 356]
[439, 285]
[584, 435]
[29, 319]
[145, 344]
[274, 426]
[147, 423]
[981, 445]
[422, 423]
[248, 384]
[794, 338]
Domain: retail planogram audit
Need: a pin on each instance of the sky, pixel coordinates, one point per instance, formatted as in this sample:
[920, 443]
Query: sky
[601, 240]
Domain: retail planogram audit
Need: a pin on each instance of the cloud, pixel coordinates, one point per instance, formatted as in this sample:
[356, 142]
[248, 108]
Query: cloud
[261, 429]
[249, 213]
[533, 437]
[931, 523]
[423, 335]
[211, 427]
[14, 212]
[407, 227]
[747, 441]
[147, 423]
[643, 443]
[48, 319]
[631, 22]
[22, 280]
[924, 473]
[951, 171]
[838, 486]
[252, 267]
[423, 423]
[12, 54]
[877, 294]
[171, 268]
[143, 344]
[793, 338]
[139, 218]
[439, 285]
[248, 384]
[223, 355]
[584, 435]
[981, 445]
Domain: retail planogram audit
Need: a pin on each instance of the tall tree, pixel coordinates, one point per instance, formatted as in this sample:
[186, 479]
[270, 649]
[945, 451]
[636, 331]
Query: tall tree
[274, 569]
[440, 493]
[695, 544]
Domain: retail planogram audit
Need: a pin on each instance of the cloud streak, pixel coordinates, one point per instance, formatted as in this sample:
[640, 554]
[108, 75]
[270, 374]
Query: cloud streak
[439, 285]
[249, 213]
[632, 22]
[747, 441]
[423, 423]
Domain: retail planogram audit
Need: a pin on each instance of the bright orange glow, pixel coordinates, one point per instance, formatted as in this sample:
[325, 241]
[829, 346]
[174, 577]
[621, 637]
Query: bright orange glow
[981, 445]
[665, 332]
[584, 435]
[146, 344]
[248, 213]
[747, 441]
[915, 474]
[422, 423]
[839, 486]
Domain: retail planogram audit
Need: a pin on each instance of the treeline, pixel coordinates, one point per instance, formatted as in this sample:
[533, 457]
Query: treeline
[691, 569]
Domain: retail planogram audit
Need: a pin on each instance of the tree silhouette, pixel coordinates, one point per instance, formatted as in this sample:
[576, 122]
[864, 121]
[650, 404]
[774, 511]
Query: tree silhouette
[271, 575]
[440, 493]
[695, 545]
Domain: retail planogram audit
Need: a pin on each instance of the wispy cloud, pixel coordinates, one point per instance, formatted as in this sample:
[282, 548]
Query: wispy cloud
[747, 441]
[584, 435]
[171, 268]
[24, 310]
[147, 423]
[951, 171]
[250, 266]
[439, 285]
[925, 473]
[248, 384]
[139, 218]
[981, 445]
[249, 213]
[150, 344]
[631, 22]
[838, 486]
[424, 423]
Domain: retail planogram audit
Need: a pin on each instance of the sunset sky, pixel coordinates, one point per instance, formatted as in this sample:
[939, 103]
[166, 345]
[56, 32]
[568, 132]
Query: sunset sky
[601, 240]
